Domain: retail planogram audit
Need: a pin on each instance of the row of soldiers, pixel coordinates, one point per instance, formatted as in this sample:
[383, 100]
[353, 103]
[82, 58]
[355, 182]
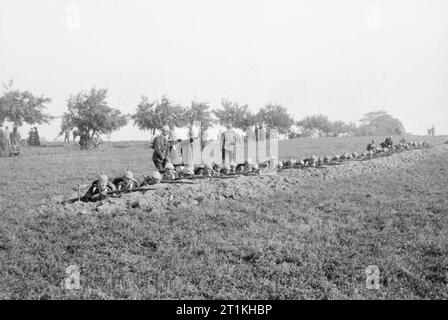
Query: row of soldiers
[103, 186]
[404, 144]
[167, 171]
[173, 159]
[386, 146]
[9, 141]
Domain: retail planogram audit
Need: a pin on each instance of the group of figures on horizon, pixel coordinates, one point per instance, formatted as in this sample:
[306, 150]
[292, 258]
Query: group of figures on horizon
[86, 142]
[9, 141]
[74, 133]
[33, 137]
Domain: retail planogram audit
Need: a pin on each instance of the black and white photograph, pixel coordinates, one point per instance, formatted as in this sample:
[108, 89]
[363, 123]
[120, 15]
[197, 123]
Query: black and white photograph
[208, 150]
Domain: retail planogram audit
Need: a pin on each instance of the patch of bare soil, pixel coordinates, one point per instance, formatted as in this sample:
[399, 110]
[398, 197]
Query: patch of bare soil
[172, 196]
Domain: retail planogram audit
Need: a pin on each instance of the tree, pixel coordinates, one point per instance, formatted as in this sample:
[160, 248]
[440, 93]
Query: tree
[198, 111]
[89, 112]
[67, 124]
[23, 107]
[317, 122]
[275, 116]
[351, 128]
[234, 115]
[337, 127]
[380, 123]
[153, 115]
[340, 127]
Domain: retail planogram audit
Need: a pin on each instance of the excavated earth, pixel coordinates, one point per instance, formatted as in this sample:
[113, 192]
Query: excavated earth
[197, 192]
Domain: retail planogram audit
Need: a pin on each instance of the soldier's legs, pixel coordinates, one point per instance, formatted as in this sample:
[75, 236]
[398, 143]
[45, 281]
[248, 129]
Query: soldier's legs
[159, 164]
[230, 155]
[8, 147]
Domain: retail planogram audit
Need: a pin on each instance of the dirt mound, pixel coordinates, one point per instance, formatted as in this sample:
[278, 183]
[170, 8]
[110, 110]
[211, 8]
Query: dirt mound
[173, 196]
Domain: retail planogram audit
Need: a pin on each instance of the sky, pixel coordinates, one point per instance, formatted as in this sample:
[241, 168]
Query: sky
[339, 58]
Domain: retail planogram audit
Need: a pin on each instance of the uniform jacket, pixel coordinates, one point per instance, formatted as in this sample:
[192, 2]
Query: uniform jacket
[228, 140]
[160, 148]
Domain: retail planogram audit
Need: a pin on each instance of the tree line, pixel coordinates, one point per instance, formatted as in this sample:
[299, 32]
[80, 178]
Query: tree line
[89, 113]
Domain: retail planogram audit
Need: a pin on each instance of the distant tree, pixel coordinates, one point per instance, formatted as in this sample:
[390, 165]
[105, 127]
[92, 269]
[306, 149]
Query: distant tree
[89, 112]
[340, 127]
[351, 128]
[198, 111]
[23, 107]
[337, 127]
[307, 133]
[66, 125]
[153, 115]
[317, 122]
[275, 116]
[234, 115]
[380, 123]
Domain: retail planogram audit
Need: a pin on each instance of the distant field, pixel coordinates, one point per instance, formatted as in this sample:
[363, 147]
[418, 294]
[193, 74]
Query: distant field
[304, 239]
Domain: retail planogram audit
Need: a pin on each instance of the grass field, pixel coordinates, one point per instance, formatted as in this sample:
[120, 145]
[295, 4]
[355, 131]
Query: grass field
[311, 240]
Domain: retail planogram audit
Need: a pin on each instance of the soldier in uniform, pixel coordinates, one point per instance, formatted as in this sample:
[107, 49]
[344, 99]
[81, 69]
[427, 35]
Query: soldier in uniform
[388, 143]
[170, 172]
[127, 182]
[174, 150]
[7, 137]
[161, 145]
[2, 141]
[15, 141]
[67, 136]
[35, 140]
[151, 179]
[371, 146]
[228, 142]
[99, 189]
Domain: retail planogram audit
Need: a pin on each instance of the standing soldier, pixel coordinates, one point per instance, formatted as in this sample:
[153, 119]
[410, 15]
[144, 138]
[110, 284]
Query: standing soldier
[7, 138]
[2, 141]
[31, 137]
[67, 136]
[36, 137]
[161, 145]
[188, 149]
[228, 142]
[15, 141]
[174, 154]
[75, 134]
[84, 140]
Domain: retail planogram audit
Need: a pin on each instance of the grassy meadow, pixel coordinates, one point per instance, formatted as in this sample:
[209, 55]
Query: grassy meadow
[310, 241]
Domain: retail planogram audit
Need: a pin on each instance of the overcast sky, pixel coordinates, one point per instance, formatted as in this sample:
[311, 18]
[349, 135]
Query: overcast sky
[341, 58]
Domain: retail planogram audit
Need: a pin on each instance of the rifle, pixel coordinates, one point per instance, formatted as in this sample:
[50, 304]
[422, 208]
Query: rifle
[111, 193]
[176, 181]
[227, 176]
[205, 177]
